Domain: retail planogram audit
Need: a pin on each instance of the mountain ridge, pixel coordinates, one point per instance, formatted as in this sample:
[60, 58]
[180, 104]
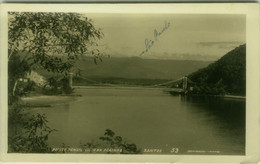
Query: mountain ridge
[135, 67]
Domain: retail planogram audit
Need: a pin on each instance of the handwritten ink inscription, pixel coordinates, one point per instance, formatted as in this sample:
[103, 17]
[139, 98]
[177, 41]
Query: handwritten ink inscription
[150, 42]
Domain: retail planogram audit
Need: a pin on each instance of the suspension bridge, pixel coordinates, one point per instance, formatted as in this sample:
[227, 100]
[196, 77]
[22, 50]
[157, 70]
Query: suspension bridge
[181, 85]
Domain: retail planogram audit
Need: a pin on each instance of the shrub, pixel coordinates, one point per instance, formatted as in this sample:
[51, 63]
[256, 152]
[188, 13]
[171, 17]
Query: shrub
[33, 136]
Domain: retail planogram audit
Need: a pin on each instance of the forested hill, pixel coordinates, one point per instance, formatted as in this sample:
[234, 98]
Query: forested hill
[138, 68]
[130, 70]
[225, 76]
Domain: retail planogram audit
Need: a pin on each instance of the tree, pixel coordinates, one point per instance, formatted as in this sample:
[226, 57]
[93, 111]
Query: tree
[17, 68]
[52, 41]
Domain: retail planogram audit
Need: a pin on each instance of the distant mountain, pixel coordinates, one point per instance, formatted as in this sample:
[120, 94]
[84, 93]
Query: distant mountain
[138, 68]
[225, 76]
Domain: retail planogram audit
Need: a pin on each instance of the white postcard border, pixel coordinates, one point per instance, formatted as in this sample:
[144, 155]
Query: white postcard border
[251, 10]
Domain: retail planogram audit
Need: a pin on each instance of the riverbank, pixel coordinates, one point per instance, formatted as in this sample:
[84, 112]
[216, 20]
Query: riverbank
[132, 87]
[47, 100]
[35, 101]
[227, 96]
[234, 96]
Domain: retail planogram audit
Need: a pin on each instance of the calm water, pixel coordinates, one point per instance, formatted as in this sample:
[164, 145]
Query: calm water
[150, 118]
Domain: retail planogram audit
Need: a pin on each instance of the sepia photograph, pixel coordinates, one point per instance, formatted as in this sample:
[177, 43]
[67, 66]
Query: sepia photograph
[127, 83]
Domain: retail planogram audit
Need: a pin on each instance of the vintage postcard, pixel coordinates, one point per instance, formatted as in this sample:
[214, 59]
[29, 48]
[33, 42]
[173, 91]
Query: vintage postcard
[130, 83]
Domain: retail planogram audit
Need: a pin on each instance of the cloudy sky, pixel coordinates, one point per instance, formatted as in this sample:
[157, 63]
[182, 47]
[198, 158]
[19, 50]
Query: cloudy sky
[188, 37]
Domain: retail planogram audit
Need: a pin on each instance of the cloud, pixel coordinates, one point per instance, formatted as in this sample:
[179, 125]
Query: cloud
[228, 45]
[181, 56]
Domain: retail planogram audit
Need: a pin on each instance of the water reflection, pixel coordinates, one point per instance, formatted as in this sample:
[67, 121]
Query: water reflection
[227, 116]
[152, 119]
[229, 111]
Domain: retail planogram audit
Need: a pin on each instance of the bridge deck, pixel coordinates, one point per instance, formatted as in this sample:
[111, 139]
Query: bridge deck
[177, 90]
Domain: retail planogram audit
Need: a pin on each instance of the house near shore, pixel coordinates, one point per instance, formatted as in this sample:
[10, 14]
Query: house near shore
[35, 77]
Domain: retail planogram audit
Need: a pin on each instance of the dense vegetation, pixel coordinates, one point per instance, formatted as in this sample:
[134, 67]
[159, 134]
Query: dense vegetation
[225, 76]
[41, 38]
[51, 42]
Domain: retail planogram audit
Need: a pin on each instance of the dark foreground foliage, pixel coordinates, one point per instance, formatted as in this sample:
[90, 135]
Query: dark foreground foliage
[27, 134]
[118, 142]
[110, 140]
[30, 134]
[109, 143]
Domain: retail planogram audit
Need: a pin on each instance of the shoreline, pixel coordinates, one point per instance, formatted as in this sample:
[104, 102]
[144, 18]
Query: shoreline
[37, 101]
[45, 101]
[234, 96]
[227, 96]
[134, 87]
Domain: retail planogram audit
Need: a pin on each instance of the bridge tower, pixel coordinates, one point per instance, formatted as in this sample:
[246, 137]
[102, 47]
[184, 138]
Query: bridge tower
[184, 83]
[70, 79]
